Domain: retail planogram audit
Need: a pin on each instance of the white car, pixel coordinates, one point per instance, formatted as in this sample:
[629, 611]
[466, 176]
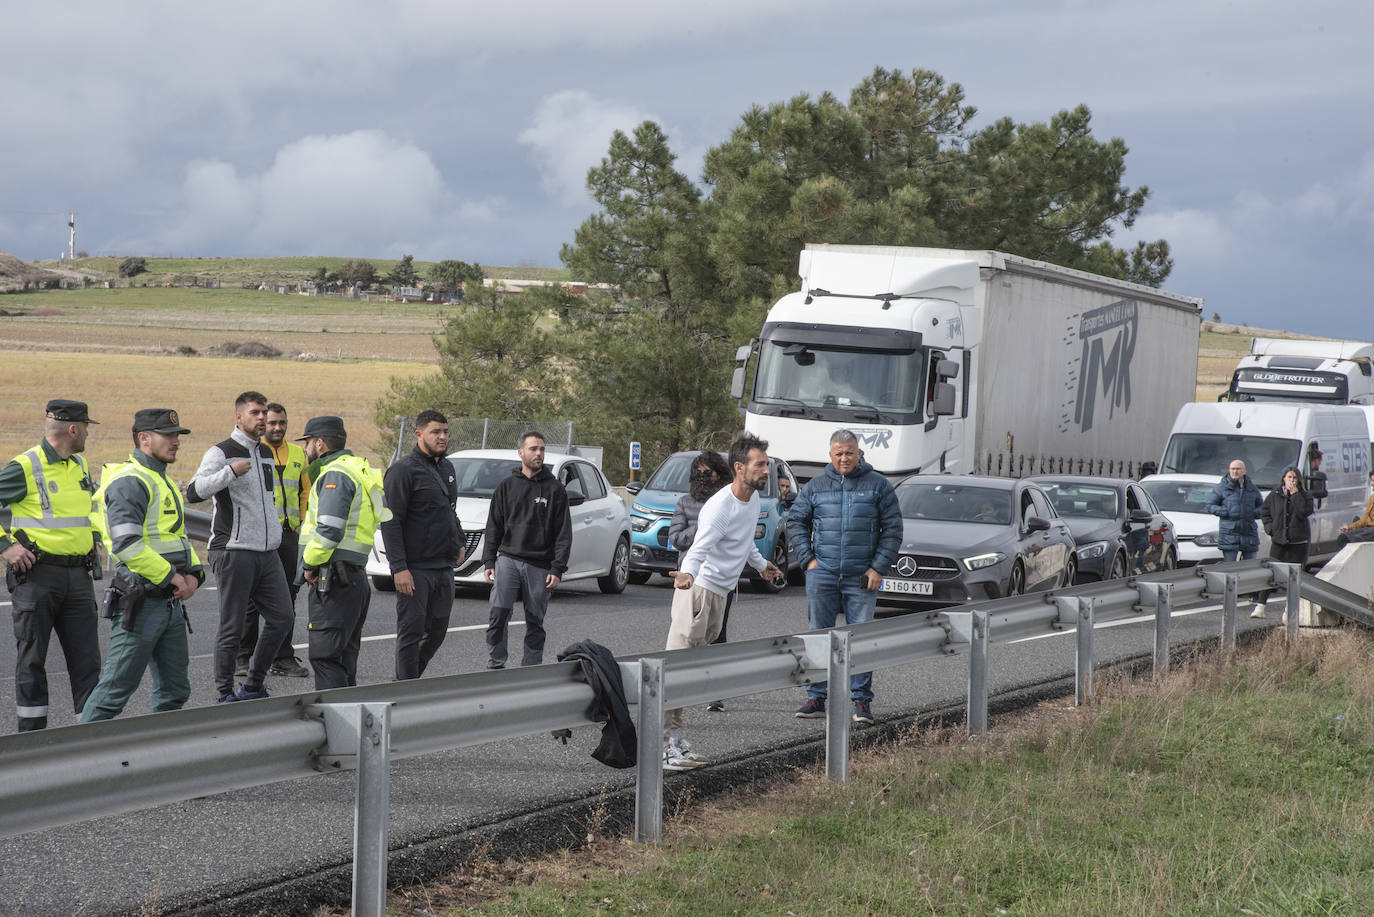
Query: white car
[1182, 498]
[600, 522]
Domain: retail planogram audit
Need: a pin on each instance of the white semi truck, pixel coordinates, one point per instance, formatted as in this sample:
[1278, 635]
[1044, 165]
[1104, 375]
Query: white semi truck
[968, 361]
[1312, 372]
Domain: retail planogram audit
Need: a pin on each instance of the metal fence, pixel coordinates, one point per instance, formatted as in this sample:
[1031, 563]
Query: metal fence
[62, 776]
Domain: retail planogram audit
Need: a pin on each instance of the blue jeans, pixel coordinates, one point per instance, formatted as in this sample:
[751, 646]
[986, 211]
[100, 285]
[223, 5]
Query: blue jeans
[827, 596]
[1232, 556]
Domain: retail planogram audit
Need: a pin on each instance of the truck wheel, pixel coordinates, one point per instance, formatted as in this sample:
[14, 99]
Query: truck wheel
[640, 577]
[613, 583]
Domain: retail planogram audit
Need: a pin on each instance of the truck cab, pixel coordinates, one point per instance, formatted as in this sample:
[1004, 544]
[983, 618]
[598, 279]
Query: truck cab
[884, 353]
[1313, 372]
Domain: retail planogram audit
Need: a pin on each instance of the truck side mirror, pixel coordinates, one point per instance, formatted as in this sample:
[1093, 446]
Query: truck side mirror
[743, 351]
[737, 383]
[942, 404]
[947, 369]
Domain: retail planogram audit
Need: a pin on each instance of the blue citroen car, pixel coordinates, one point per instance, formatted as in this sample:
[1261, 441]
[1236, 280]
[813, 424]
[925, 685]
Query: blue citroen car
[652, 511]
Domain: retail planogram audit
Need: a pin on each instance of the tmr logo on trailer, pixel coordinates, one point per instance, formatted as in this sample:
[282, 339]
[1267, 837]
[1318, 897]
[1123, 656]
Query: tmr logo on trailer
[1108, 335]
[873, 439]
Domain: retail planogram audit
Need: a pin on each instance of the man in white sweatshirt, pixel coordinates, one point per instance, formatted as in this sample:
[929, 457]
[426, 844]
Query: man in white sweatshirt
[710, 570]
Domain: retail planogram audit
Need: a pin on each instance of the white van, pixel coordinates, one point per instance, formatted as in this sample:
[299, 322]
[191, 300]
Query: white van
[1270, 436]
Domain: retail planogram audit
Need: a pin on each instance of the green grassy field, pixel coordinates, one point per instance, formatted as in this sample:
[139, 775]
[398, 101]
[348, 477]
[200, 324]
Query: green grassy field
[1229, 790]
[242, 270]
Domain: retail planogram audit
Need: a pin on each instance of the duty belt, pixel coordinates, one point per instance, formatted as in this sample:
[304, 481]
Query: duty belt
[64, 560]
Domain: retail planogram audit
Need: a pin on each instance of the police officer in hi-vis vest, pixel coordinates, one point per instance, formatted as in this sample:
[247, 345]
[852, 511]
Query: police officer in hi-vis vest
[50, 552]
[346, 505]
[156, 571]
[290, 493]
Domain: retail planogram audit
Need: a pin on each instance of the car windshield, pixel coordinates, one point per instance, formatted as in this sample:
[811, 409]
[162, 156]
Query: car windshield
[674, 475]
[1212, 453]
[1178, 496]
[822, 377]
[955, 503]
[478, 477]
[1071, 498]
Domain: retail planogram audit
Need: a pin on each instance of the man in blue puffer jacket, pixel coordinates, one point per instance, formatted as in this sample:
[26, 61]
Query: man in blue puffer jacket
[1237, 500]
[846, 528]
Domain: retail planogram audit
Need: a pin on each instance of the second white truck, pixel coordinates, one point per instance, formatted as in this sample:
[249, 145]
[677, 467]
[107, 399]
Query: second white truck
[969, 361]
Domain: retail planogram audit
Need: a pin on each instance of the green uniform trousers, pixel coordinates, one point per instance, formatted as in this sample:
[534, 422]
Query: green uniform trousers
[157, 643]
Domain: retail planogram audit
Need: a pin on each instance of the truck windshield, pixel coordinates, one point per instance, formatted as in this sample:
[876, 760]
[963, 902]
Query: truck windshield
[817, 376]
[1211, 453]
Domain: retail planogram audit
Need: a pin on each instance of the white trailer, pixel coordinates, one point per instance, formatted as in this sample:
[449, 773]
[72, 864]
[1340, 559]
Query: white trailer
[969, 361]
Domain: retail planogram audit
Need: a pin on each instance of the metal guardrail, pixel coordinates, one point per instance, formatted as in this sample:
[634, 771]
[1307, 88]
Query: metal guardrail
[78, 773]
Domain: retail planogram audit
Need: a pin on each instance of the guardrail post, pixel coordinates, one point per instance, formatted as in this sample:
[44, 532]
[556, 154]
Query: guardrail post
[837, 714]
[649, 753]
[1083, 662]
[372, 823]
[1224, 584]
[978, 675]
[1287, 575]
[1160, 595]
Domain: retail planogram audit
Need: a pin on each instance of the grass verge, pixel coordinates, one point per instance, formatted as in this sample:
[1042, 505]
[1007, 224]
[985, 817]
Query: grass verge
[1243, 788]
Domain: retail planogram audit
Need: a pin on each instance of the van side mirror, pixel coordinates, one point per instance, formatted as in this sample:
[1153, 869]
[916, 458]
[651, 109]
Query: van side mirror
[942, 405]
[1316, 485]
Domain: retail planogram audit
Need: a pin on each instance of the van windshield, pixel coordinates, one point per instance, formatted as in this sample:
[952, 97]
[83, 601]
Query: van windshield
[1211, 453]
[817, 376]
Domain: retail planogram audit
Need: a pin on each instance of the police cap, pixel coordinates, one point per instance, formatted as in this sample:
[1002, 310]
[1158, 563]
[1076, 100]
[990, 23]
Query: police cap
[68, 411]
[329, 426]
[158, 420]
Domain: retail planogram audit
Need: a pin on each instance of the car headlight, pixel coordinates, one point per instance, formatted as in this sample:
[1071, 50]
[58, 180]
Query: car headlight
[984, 560]
[640, 524]
[641, 508]
[1206, 540]
[1093, 551]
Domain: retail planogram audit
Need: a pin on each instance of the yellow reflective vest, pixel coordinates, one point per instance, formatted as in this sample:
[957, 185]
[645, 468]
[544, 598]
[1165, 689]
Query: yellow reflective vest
[161, 535]
[56, 512]
[287, 492]
[356, 522]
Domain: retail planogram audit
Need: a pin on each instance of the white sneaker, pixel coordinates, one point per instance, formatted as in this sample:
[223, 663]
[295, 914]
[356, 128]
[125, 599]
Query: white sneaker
[678, 758]
[1258, 611]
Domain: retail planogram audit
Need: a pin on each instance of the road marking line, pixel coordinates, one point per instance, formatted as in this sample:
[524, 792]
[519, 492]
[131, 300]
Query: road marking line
[1145, 618]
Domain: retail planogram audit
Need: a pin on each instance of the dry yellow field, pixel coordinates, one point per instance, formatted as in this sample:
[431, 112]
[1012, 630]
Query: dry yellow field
[201, 389]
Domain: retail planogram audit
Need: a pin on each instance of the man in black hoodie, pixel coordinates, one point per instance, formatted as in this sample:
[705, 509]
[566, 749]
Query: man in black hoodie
[423, 543]
[525, 552]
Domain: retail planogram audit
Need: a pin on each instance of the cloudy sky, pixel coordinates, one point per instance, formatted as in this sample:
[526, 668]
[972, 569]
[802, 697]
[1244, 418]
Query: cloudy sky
[374, 128]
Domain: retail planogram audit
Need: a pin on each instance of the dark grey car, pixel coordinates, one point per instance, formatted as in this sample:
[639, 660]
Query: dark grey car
[1116, 524]
[967, 538]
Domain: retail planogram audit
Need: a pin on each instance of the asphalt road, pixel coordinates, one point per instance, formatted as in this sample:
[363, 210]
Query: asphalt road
[221, 845]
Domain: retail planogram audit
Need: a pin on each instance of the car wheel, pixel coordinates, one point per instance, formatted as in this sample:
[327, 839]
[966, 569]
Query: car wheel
[1170, 559]
[383, 584]
[1071, 570]
[613, 583]
[1118, 570]
[779, 561]
[639, 577]
[1016, 583]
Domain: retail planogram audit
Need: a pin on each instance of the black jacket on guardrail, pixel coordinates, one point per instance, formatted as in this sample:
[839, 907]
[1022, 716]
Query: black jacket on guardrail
[600, 670]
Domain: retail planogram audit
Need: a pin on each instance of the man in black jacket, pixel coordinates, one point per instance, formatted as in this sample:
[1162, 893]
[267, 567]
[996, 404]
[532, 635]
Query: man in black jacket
[423, 543]
[525, 552]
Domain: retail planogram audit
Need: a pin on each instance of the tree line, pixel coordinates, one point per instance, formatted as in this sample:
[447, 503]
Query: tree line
[692, 267]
